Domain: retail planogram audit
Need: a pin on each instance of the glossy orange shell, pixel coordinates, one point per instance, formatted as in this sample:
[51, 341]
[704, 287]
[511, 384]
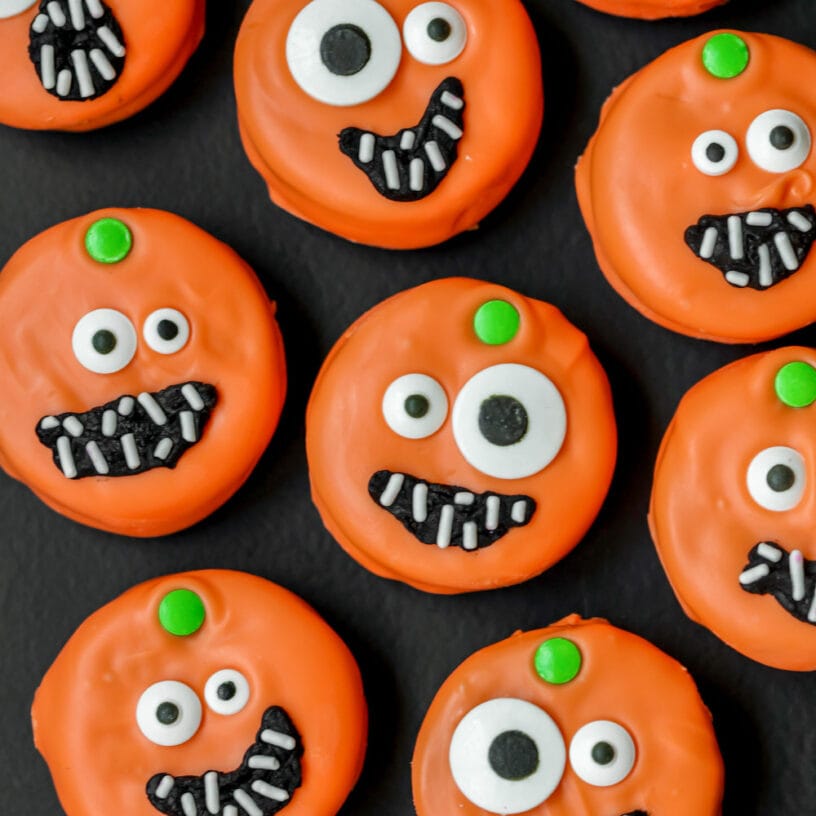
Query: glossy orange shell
[653, 9]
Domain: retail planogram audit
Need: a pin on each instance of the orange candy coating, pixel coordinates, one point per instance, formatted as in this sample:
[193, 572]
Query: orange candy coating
[653, 9]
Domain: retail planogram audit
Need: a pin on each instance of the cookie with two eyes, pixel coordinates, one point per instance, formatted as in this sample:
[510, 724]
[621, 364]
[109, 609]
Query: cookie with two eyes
[397, 123]
[653, 9]
[460, 437]
[733, 506]
[210, 692]
[143, 370]
[698, 188]
[578, 719]
[85, 64]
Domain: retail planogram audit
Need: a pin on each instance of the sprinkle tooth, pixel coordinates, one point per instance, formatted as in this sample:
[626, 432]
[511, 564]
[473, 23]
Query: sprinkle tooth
[211, 793]
[131, 452]
[110, 41]
[519, 511]
[83, 73]
[267, 763]
[48, 67]
[188, 391]
[284, 741]
[769, 552]
[786, 251]
[165, 786]
[709, 242]
[735, 241]
[392, 489]
[366, 150]
[247, 803]
[77, 14]
[56, 14]
[407, 140]
[102, 64]
[759, 219]
[188, 429]
[153, 409]
[66, 456]
[451, 101]
[493, 510]
[446, 126]
[443, 534]
[435, 156]
[65, 80]
[753, 574]
[73, 426]
[419, 502]
[765, 269]
[97, 458]
[391, 169]
[797, 220]
[188, 805]
[109, 422]
[796, 563]
[269, 791]
[470, 535]
[417, 175]
[464, 498]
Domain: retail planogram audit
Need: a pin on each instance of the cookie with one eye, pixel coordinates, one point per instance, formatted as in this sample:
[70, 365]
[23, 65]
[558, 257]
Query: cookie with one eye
[698, 188]
[84, 64]
[653, 9]
[460, 437]
[578, 719]
[397, 123]
[142, 367]
[733, 506]
[202, 693]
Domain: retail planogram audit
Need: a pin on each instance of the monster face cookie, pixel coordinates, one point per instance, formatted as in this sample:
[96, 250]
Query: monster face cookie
[84, 64]
[202, 693]
[579, 719]
[460, 437]
[733, 506]
[142, 369]
[398, 123]
[653, 9]
[698, 188]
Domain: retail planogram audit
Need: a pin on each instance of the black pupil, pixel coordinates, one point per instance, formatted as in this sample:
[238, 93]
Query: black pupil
[439, 30]
[603, 753]
[167, 329]
[104, 341]
[345, 49]
[781, 478]
[782, 137]
[513, 755]
[502, 420]
[417, 406]
[167, 713]
[715, 152]
[226, 691]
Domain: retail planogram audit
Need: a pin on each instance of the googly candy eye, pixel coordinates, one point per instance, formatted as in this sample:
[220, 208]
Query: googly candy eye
[166, 331]
[435, 33]
[168, 713]
[714, 152]
[11, 8]
[776, 478]
[602, 753]
[104, 341]
[227, 692]
[778, 141]
[415, 406]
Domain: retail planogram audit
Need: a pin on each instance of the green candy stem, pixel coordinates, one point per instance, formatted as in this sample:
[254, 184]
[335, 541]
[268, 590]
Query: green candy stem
[726, 56]
[181, 612]
[557, 661]
[496, 322]
[795, 384]
[108, 241]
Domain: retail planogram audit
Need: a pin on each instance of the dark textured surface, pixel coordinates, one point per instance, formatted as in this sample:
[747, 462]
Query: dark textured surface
[183, 154]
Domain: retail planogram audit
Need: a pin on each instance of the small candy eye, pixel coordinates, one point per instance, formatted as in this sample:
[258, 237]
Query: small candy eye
[776, 478]
[343, 52]
[166, 331]
[104, 341]
[602, 753]
[435, 33]
[415, 406]
[714, 152]
[778, 141]
[168, 713]
[227, 692]
[507, 756]
[11, 8]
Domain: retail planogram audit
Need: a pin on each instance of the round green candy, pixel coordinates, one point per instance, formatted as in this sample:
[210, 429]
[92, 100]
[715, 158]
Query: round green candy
[181, 612]
[795, 384]
[496, 322]
[726, 55]
[108, 241]
[557, 661]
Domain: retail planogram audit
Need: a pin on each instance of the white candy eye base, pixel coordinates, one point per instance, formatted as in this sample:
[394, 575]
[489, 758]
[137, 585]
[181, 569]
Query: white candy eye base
[602, 753]
[11, 8]
[415, 406]
[343, 52]
[435, 33]
[104, 341]
[714, 152]
[227, 692]
[778, 141]
[168, 713]
[166, 331]
[776, 478]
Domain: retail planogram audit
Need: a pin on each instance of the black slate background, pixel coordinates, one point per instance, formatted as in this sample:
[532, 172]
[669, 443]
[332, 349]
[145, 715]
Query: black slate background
[183, 154]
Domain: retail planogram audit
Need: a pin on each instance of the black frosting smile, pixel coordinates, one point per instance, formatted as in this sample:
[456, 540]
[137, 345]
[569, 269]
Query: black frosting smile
[449, 516]
[130, 434]
[413, 163]
[262, 785]
[756, 249]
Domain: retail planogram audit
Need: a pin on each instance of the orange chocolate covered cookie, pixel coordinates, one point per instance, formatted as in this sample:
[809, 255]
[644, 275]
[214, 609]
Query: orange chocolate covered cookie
[578, 719]
[209, 692]
[698, 188]
[733, 506]
[142, 370]
[653, 9]
[460, 437]
[84, 64]
[397, 123]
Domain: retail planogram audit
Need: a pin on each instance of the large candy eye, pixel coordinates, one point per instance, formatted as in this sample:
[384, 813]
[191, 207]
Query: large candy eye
[343, 52]
[509, 421]
[168, 713]
[778, 141]
[104, 341]
[714, 152]
[602, 753]
[227, 691]
[415, 406]
[507, 755]
[166, 331]
[435, 33]
[11, 8]
[776, 478]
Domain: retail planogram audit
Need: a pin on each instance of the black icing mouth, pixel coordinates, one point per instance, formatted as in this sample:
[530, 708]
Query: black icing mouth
[756, 249]
[77, 48]
[449, 516]
[263, 784]
[413, 163]
[789, 577]
[130, 434]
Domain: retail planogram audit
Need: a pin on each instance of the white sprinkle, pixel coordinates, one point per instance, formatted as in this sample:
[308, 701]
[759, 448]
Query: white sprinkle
[269, 791]
[73, 426]
[408, 140]
[109, 421]
[162, 450]
[192, 396]
[188, 428]
[365, 152]
[708, 243]
[111, 42]
[493, 509]
[796, 219]
[83, 73]
[765, 269]
[451, 101]
[188, 804]
[754, 574]
[164, 787]
[211, 795]
[464, 498]
[769, 552]
[47, 67]
[470, 535]
[95, 7]
[737, 278]
[154, 410]
[126, 405]
[267, 763]
[66, 457]
[57, 14]
[519, 511]
[77, 14]
[230, 810]
[811, 616]
[445, 125]
[64, 82]
[49, 422]
[759, 219]
[796, 563]
[735, 243]
[284, 741]
[419, 502]
[417, 175]
[392, 489]
[786, 251]
[130, 450]
[103, 65]
[435, 156]
[392, 179]
[40, 23]
[247, 803]
[97, 458]
[443, 534]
